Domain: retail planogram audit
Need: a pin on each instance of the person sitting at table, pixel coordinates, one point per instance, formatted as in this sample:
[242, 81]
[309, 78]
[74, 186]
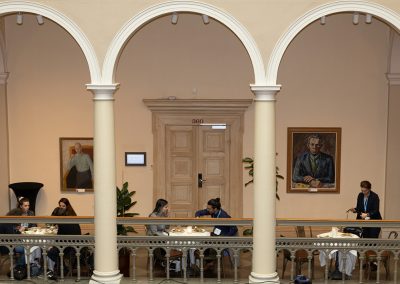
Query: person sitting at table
[160, 210]
[22, 209]
[64, 209]
[215, 211]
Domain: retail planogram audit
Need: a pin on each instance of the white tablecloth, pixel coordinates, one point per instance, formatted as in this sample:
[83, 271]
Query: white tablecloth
[351, 255]
[190, 233]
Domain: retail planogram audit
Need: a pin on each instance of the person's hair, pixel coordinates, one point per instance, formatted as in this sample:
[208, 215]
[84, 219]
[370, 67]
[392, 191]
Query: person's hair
[21, 201]
[160, 205]
[69, 211]
[365, 184]
[314, 136]
[215, 203]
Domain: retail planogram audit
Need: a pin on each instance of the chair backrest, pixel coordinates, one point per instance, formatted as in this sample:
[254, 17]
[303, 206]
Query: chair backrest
[301, 232]
[394, 233]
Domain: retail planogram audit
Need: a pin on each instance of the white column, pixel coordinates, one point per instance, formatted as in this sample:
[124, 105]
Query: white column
[264, 255]
[4, 155]
[106, 255]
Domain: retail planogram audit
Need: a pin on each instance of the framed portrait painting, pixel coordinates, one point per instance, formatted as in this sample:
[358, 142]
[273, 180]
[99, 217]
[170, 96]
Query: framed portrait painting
[76, 164]
[313, 160]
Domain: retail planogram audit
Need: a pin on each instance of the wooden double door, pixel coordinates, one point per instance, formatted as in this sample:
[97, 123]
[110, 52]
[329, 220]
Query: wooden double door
[198, 150]
[197, 166]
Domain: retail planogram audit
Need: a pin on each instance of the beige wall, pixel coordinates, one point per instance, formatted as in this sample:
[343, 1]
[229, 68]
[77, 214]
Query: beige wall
[266, 20]
[392, 210]
[189, 60]
[46, 100]
[334, 76]
[338, 68]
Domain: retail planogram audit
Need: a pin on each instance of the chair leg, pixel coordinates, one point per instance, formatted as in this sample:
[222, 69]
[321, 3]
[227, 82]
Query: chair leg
[285, 261]
[386, 263]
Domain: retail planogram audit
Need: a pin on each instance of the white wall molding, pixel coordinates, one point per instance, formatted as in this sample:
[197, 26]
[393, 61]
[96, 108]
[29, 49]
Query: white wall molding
[393, 78]
[66, 23]
[265, 93]
[103, 92]
[4, 78]
[377, 10]
[116, 46]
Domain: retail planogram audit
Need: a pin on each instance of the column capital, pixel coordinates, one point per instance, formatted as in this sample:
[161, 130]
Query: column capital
[4, 78]
[103, 92]
[265, 93]
[393, 78]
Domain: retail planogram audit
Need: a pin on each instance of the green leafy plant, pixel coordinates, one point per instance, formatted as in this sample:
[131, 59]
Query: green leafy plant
[250, 167]
[124, 203]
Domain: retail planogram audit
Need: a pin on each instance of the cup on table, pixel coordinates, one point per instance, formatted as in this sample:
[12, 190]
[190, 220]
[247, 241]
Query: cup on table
[189, 229]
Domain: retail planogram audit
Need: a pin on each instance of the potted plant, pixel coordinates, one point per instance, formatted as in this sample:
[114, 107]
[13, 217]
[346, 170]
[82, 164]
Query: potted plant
[250, 167]
[124, 203]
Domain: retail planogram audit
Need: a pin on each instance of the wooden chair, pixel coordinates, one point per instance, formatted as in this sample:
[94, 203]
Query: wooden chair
[372, 257]
[301, 256]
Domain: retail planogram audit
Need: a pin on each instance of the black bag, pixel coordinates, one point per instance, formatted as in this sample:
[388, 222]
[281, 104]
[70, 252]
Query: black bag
[301, 279]
[20, 272]
[353, 230]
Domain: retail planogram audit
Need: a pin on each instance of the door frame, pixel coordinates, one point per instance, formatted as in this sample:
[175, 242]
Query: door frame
[195, 112]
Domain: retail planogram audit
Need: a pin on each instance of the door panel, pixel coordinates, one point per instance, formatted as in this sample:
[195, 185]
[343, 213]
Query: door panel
[213, 163]
[180, 169]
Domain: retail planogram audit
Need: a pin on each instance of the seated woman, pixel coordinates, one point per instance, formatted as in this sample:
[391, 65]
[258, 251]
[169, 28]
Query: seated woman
[64, 209]
[161, 210]
[22, 209]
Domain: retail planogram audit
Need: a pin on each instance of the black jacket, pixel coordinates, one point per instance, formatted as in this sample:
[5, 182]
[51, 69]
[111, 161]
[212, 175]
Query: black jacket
[372, 206]
[66, 229]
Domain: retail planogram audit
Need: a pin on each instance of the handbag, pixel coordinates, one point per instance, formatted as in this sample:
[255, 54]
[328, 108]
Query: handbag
[302, 279]
[353, 230]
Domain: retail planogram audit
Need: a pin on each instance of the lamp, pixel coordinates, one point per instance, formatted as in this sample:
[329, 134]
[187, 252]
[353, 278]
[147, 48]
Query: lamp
[323, 20]
[206, 20]
[174, 18]
[356, 17]
[19, 18]
[39, 19]
[368, 18]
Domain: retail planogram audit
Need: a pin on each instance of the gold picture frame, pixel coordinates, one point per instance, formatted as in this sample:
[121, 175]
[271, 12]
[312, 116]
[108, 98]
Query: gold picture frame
[313, 159]
[76, 173]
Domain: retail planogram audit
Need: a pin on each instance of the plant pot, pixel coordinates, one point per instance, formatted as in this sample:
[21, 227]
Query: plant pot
[124, 258]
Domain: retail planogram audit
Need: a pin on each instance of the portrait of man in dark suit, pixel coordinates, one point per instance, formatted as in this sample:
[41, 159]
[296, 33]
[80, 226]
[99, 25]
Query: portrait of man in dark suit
[313, 158]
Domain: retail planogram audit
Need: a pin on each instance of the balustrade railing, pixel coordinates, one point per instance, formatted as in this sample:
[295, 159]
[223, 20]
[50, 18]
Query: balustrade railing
[83, 245]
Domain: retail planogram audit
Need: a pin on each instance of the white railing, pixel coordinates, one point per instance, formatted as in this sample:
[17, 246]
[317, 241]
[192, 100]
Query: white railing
[235, 245]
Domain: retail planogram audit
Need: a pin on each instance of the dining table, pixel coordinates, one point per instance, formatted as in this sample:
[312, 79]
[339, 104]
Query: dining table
[35, 252]
[351, 256]
[189, 231]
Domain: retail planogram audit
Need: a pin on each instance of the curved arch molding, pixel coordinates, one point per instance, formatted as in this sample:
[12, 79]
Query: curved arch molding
[140, 19]
[335, 7]
[63, 21]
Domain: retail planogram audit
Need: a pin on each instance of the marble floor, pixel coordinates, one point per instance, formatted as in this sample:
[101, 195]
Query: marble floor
[243, 273]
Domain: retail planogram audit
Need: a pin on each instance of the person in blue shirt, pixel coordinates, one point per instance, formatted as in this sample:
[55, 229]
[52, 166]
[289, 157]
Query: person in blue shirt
[215, 211]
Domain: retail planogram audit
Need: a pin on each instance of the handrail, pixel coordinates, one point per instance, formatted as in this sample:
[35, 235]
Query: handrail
[202, 221]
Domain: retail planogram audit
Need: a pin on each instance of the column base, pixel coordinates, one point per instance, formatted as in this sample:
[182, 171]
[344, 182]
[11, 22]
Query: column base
[264, 278]
[113, 277]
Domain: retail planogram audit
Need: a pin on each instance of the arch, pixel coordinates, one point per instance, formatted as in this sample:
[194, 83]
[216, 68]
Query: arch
[336, 7]
[116, 46]
[63, 21]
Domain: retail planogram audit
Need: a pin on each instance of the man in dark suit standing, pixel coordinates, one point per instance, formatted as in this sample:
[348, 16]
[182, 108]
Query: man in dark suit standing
[368, 208]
